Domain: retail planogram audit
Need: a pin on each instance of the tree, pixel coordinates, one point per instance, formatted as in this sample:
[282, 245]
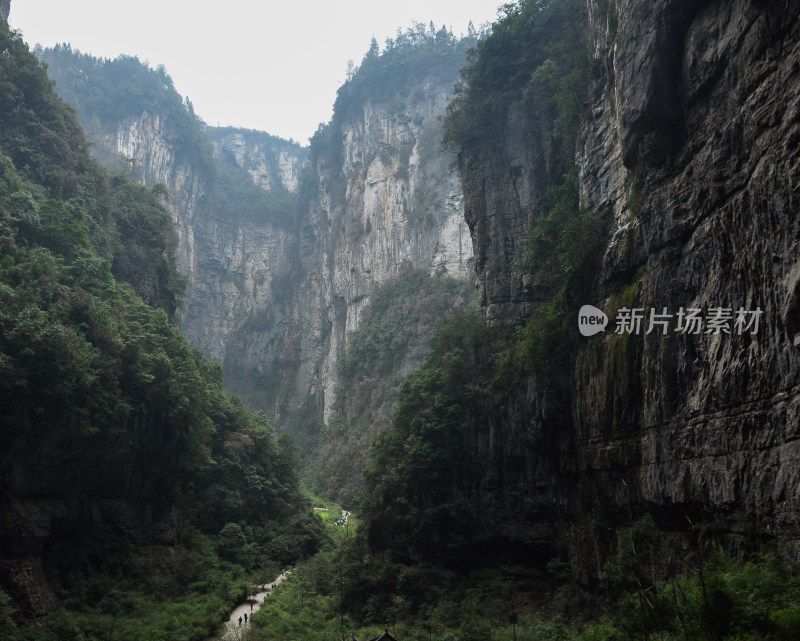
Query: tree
[374, 50]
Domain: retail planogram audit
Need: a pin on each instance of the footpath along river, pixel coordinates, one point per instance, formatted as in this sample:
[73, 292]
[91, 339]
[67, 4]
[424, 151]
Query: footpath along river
[234, 631]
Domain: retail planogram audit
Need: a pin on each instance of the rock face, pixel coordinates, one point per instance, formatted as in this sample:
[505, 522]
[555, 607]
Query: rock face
[391, 201]
[272, 297]
[275, 302]
[690, 154]
[505, 191]
[707, 128]
[271, 161]
[230, 311]
[79, 488]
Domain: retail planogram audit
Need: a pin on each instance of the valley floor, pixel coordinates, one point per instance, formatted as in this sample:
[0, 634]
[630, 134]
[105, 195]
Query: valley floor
[236, 625]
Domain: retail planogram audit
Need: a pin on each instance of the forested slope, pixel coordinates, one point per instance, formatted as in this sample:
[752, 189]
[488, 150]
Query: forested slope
[392, 341]
[117, 435]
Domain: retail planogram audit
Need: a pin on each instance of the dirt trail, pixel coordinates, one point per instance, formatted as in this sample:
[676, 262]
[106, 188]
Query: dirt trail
[235, 630]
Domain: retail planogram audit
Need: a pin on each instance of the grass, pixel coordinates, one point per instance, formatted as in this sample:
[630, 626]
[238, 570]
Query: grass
[344, 593]
[182, 596]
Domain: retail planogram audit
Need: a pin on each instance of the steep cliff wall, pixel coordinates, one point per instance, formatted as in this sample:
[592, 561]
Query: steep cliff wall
[389, 203]
[688, 154]
[705, 128]
[272, 294]
[231, 201]
[380, 198]
[271, 161]
[229, 256]
[145, 145]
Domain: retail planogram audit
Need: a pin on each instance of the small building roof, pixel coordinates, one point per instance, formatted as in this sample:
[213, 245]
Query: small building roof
[385, 636]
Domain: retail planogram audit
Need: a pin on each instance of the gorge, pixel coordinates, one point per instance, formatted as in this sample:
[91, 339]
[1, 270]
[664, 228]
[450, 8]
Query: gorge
[637, 156]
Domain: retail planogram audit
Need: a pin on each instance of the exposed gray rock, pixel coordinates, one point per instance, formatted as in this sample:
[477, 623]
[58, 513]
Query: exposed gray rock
[690, 154]
[274, 300]
[714, 427]
[269, 160]
[392, 202]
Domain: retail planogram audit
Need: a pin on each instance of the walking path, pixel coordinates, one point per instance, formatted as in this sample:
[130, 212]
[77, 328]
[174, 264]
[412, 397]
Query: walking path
[235, 631]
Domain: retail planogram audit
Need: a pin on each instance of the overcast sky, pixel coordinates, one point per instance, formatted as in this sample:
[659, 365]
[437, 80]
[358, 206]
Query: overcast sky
[273, 66]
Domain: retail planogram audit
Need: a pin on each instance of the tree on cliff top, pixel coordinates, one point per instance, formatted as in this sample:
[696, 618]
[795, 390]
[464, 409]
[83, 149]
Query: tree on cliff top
[535, 50]
[115, 89]
[412, 57]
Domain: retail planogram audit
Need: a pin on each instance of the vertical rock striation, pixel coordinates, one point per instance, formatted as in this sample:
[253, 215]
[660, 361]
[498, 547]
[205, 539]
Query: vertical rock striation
[706, 126]
[273, 295]
[271, 161]
[388, 200]
[689, 152]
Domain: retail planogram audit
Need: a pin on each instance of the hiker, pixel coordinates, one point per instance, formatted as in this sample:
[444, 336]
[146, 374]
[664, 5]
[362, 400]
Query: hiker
[245, 618]
[240, 620]
[252, 603]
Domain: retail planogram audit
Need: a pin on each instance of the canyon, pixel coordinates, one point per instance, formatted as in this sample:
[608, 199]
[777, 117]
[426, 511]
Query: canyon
[686, 154]
[274, 299]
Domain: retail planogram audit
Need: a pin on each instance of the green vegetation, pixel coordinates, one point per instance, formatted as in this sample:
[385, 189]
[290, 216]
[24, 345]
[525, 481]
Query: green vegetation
[535, 58]
[654, 587]
[415, 54]
[93, 368]
[104, 399]
[420, 483]
[559, 247]
[559, 241]
[392, 339]
[422, 478]
[113, 90]
[412, 566]
[381, 76]
[234, 196]
[665, 587]
[183, 594]
[146, 245]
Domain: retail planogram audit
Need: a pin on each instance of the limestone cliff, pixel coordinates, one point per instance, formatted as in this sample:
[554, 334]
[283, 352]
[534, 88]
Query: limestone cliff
[229, 259]
[380, 198]
[390, 202]
[271, 161]
[145, 145]
[688, 153]
[701, 121]
[273, 289]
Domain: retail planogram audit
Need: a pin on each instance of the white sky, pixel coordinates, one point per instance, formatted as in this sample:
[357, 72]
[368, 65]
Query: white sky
[273, 66]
